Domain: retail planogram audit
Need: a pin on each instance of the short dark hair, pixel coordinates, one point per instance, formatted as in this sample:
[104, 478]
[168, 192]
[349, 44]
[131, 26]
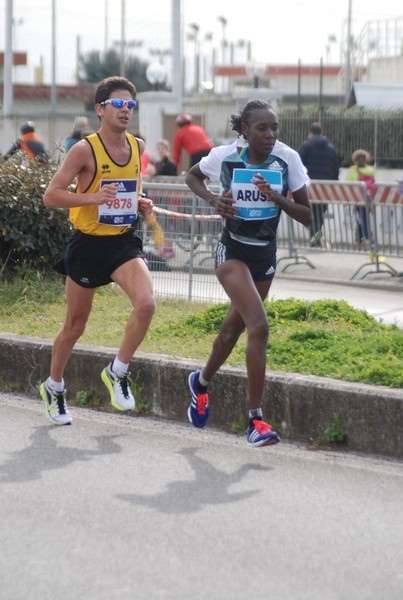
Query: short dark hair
[110, 84]
[316, 129]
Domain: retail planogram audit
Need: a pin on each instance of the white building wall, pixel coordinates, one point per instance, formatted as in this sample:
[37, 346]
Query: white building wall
[385, 71]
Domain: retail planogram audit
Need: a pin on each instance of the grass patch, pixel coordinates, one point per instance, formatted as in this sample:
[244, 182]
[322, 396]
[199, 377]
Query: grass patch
[324, 337]
[87, 398]
[334, 435]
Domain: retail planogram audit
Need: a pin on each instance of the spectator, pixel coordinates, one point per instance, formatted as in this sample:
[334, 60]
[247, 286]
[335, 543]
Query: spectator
[192, 138]
[322, 162]
[164, 166]
[146, 165]
[360, 170]
[81, 129]
[30, 143]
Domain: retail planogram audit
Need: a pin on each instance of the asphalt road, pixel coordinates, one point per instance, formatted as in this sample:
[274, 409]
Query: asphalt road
[117, 507]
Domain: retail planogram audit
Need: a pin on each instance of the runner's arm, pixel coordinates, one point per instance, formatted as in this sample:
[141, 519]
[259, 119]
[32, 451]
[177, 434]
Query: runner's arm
[78, 163]
[299, 208]
[195, 180]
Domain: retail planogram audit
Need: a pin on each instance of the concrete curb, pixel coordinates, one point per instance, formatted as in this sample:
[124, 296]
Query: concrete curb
[302, 405]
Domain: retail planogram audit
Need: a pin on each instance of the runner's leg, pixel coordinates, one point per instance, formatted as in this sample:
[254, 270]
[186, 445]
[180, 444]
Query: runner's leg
[79, 304]
[246, 310]
[134, 278]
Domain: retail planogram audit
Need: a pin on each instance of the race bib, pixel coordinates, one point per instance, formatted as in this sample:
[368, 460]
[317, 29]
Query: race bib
[123, 210]
[250, 203]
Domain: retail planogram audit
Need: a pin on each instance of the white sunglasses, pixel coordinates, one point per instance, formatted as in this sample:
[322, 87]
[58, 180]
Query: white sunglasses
[118, 102]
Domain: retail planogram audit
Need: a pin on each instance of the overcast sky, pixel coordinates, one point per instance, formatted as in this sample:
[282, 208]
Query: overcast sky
[280, 32]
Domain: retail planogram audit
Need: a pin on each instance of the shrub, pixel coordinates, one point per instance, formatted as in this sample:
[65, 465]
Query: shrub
[30, 233]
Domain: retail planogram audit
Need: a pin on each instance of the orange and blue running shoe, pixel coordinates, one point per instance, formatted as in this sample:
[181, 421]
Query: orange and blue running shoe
[198, 411]
[261, 434]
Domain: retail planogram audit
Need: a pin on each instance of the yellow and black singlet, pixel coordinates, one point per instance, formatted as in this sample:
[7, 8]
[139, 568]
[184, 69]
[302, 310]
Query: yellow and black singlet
[111, 218]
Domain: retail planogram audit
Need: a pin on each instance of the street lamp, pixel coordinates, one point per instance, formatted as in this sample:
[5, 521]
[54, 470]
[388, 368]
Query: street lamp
[156, 74]
[16, 23]
[207, 55]
[331, 39]
[254, 70]
[195, 37]
[223, 22]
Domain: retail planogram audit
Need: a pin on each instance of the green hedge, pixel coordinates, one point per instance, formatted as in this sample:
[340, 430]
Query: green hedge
[30, 233]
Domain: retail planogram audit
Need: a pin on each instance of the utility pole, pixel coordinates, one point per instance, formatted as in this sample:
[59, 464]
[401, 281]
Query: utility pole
[177, 50]
[347, 65]
[123, 41]
[53, 90]
[8, 62]
[106, 28]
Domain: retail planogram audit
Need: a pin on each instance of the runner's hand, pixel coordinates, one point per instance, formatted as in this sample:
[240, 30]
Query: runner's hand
[264, 188]
[107, 193]
[225, 206]
[145, 206]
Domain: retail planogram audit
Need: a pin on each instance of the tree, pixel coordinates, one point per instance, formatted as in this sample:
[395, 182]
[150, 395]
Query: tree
[95, 67]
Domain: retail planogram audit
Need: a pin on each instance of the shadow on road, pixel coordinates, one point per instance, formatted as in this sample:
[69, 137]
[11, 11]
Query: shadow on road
[44, 454]
[210, 486]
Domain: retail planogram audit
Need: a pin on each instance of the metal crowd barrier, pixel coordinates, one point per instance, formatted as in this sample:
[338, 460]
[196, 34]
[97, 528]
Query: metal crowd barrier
[184, 263]
[355, 221]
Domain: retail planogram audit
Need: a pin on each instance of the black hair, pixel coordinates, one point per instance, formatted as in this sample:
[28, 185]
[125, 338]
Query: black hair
[316, 129]
[110, 84]
[245, 115]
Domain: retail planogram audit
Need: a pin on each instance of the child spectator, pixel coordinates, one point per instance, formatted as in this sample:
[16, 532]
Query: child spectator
[362, 171]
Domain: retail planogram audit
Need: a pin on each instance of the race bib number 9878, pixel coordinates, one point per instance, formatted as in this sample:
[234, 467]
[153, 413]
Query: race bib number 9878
[122, 210]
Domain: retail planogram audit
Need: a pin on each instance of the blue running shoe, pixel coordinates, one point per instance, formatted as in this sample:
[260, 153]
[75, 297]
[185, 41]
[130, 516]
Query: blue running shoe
[261, 434]
[198, 410]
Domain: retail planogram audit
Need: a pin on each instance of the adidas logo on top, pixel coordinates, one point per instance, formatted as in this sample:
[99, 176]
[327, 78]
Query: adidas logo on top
[274, 166]
[121, 187]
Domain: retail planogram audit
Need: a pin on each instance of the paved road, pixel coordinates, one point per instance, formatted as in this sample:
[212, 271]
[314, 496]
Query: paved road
[117, 508]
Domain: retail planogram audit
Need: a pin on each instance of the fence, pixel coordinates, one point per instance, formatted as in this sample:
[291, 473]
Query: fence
[379, 132]
[191, 231]
[354, 222]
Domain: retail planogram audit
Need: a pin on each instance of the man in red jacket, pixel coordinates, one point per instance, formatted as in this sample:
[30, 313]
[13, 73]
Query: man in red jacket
[191, 138]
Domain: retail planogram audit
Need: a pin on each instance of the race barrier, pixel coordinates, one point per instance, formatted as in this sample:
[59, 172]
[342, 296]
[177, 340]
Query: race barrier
[354, 221]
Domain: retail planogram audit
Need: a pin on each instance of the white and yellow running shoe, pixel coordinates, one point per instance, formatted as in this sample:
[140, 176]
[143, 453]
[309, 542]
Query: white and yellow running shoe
[119, 389]
[56, 410]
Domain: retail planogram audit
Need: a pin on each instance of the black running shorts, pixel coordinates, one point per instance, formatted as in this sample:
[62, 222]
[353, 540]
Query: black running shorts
[260, 260]
[91, 259]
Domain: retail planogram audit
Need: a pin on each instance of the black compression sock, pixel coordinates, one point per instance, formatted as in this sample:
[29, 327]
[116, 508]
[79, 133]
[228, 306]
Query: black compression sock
[255, 414]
